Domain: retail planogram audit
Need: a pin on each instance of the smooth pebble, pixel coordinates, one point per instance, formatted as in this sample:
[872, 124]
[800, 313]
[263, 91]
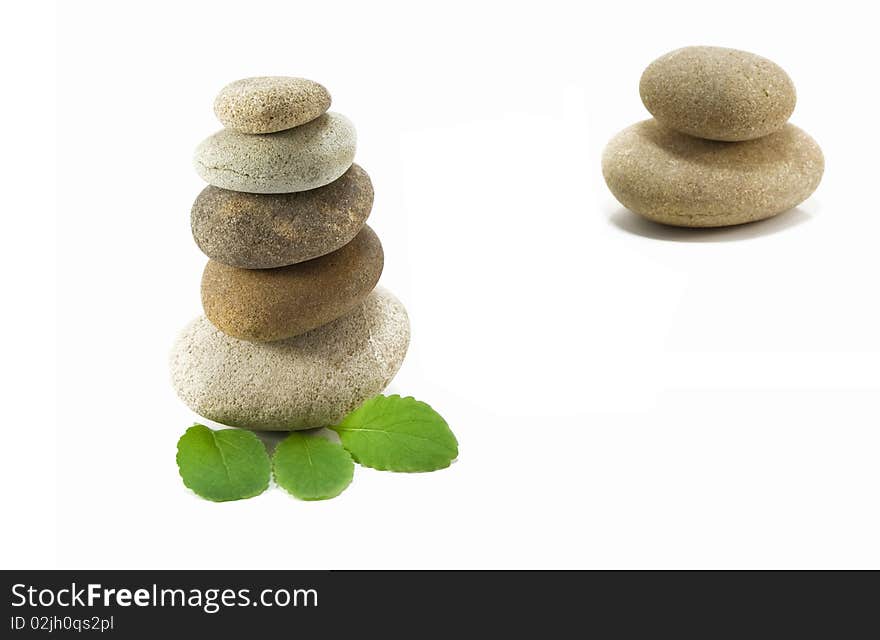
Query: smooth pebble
[270, 103]
[264, 231]
[681, 180]
[274, 304]
[718, 93]
[312, 380]
[298, 159]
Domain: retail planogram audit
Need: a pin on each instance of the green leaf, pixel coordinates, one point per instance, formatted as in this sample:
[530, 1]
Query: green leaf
[229, 464]
[311, 467]
[391, 433]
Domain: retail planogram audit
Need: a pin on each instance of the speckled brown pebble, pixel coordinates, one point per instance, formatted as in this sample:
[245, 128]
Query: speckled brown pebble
[273, 304]
[270, 103]
[309, 381]
[717, 93]
[680, 180]
[262, 231]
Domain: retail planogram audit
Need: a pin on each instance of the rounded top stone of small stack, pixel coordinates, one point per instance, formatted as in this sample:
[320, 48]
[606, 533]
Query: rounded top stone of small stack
[270, 103]
[717, 93]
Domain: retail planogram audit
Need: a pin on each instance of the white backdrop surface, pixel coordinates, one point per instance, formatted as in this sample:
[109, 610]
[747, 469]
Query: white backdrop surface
[624, 395]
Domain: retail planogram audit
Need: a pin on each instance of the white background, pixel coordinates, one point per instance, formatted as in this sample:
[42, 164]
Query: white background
[625, 395]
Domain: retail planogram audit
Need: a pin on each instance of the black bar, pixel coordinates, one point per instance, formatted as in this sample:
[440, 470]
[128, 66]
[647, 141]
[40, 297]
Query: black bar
[417, 604]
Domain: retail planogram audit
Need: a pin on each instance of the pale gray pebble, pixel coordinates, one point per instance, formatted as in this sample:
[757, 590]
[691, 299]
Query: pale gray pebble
[298, 159]
[312, 380]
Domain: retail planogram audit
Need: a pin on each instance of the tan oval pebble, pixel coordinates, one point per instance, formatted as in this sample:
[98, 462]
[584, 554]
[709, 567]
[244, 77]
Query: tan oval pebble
[264, 231]
[274, 304]
[718, 93]
[680, 180]
[312, 380]
[270, 103]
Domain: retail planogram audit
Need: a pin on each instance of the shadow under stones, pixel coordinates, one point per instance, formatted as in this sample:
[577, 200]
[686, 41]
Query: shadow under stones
[630, 222]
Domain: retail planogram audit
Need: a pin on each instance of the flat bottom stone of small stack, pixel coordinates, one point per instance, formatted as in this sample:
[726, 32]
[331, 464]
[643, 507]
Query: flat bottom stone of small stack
[680, 180]
[312, 380]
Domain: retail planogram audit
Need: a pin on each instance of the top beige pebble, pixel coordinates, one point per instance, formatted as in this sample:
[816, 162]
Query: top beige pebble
[717, 93]
[270, 103]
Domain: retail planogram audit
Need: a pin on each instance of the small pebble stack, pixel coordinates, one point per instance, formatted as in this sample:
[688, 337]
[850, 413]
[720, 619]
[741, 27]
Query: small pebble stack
[719, 150]
[295, 335]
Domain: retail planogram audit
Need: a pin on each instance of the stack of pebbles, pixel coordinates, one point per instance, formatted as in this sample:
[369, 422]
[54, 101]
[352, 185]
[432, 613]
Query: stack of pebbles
[294, 334]
[719, 150]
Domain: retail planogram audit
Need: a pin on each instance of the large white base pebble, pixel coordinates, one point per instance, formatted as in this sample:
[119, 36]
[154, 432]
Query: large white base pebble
[311, 380]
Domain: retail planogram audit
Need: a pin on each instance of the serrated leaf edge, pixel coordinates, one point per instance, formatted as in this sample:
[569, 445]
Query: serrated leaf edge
[383, 468]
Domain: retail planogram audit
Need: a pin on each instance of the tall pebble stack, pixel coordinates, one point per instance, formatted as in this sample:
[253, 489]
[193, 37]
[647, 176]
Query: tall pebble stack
[295, 334]
[719, 150]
